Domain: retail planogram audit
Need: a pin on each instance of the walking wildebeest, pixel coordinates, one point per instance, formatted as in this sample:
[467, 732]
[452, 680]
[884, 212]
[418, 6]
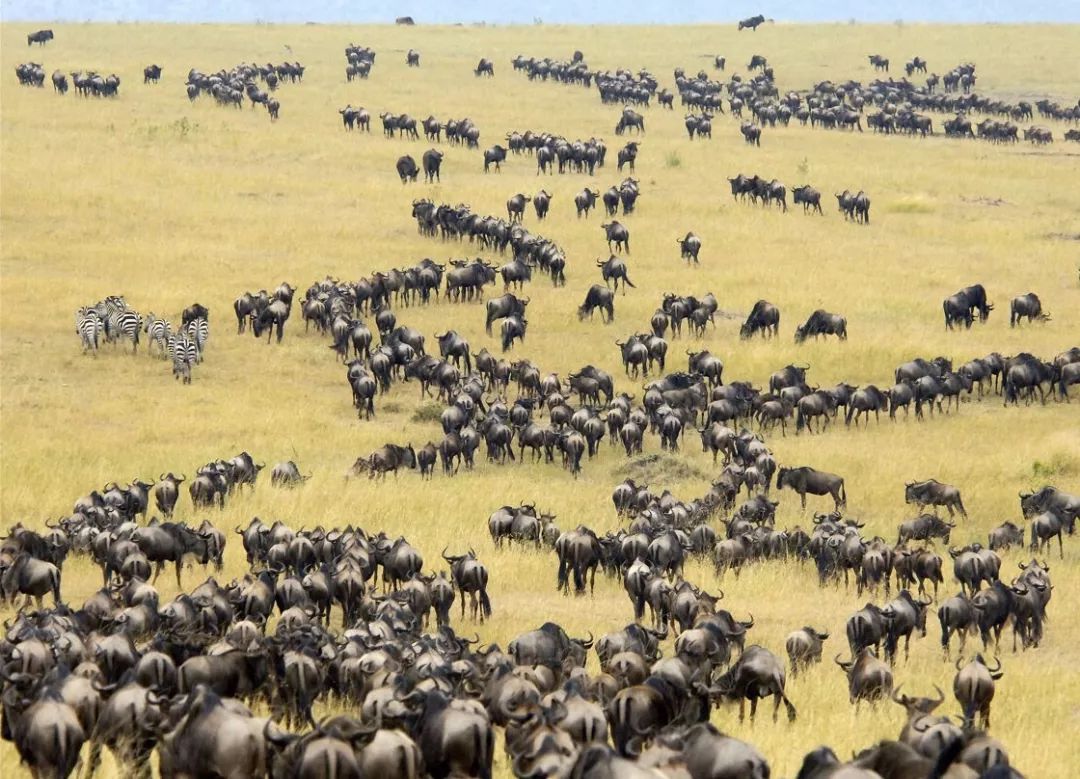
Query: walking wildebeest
[806, 480]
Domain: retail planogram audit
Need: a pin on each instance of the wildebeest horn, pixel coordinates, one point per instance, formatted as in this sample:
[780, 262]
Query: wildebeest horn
[838, 661]
[896, 693]
[959, 660]
[1023, 566]
[995, 670]
[587, 644]
[941, 695]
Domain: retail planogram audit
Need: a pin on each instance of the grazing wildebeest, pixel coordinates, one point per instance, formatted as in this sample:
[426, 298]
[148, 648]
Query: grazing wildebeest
[484, 67]
[807, 480]
[689, 247]
[618, 234]
[287, 474]
[1004, 536]
[1028, 306]
[808, 196]
[757, 674]
[387, 459]
[820, 323]
[763, 318]
[406, 169]
[432, 161]
[933, 493]
[923, 528]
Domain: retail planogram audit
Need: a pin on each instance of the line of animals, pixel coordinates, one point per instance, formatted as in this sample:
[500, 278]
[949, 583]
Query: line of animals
[111, 320]
[131, 674]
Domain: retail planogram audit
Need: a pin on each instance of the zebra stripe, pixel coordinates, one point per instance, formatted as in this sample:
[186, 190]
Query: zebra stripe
[198, 330]
[158, 330]
[126, 324]
[183, 352]
[88, 327]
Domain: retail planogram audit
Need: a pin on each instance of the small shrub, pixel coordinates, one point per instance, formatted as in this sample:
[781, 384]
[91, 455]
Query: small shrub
[427, 412]
[672, 160]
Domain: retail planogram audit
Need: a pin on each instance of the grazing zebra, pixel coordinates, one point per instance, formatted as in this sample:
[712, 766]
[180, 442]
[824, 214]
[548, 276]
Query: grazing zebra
[89, 327]
[198, 330]
[183, 352]
[126, 324]
[158, 330]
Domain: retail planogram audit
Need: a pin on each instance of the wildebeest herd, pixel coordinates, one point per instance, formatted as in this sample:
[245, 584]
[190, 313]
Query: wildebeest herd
[225, 679]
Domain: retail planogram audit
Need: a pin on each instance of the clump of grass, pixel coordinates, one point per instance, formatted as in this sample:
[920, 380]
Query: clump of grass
[672, 160]
[427, 412]
[1058, 465]
[911, 205]
[659, 468]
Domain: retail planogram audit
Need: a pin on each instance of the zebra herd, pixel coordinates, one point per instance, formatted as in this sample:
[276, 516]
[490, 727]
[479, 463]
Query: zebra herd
[112, 321]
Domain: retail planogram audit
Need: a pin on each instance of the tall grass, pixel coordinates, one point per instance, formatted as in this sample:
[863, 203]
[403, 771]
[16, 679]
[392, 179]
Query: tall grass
[168, 202]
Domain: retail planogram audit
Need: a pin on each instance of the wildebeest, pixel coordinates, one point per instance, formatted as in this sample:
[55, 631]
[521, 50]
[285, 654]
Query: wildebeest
[386, 459]
[406, 169]
[515, 207]
[41, 37]
[960, 307]
[974, 689]
[756, 674]
[287, 474]
[151, 74]
[484, 67]
[804, 648]
[751, 23]
[29, 576]
[618, 234]
[763, 318]
[933, 493]
[432, 161]
[689, 247]
[496, 155]
[855, 207]
[868, 678]
[513, 329]
[821, 323]
[808, 196]
[470, 576]
[863, 401]
[924, 528]
[502, 307]
[585, 200]
[614, 268]
[1028, 306]
[412, 58]
[541, 203]
[1051, 499]
[806, 480]
[751, 133]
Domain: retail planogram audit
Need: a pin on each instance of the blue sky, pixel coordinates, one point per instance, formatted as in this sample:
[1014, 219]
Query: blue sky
[509, 12]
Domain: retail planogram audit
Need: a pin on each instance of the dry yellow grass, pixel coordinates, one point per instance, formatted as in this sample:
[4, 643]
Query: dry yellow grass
[166, 203]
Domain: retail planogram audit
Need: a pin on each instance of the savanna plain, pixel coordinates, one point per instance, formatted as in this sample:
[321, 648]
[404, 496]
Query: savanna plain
[168, 202]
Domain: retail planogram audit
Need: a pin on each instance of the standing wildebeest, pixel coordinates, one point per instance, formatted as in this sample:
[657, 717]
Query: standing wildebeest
[855, 207]
[808, 196]
[615, 268]
[869, 679]
[974, 689]
[166, 492]
[751, 133]
[541, 202]
[628, 154]
[807, 480]
[756, 674]
[865, 400]
[412, 58]
[752, 23]
[502, 307]
[804, 648]
[1028, 306]
[385, 459]
[598, 297]
[513, 329]
[819, 323]
[959, 308]
[788, 376]
[41, 37]
[29, 576]
[406, 169]
[1051, 499]
[470, 576]
[933, 493]
[618, 234]
[270, 318]
[496, 155]
[585, 200]
[432, 161]
[763, 318]
[689, 247]
[456, 348]
[151, 74]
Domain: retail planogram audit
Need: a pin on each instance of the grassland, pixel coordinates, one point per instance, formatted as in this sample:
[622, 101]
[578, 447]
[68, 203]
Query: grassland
[168, 202]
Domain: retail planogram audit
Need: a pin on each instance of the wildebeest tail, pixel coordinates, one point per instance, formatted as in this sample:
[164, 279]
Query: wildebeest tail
[843, 492]
[485, 604]
[563, 573]
[850, 412]
[627, 282]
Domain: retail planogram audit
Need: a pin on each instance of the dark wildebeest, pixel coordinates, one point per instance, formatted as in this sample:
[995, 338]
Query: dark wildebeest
[432, 161]
[496, 155]
[151, 74]
[820, 323]
[618, 234]
[689, 247]
[287, 474]
[41, 37]
[484, 67]
[868, 678]
[166, 492]
[865, 400]
[855, 207]
[807, 480]
[386, 459]
[542, 202]
[788, 376]
[406, 169]
[751, 133]
[756, 674]
[1028, 306]
[1051, 499]
[933, 493]
[598, 297]
[1004, 536]
[751, 23]
[628, 154]
[924, 528]
[515, 207]
[763, 318]
[470, 576]
[614, 268]
[513, 329]
[412, 58]
[585, 200]
[974, 689]
[808, 196]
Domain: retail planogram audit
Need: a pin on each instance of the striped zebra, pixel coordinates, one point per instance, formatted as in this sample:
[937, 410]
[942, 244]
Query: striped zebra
[183, 352]
[106, 309]
[158, 331]
[89, 327]
[198, 330]
[126, 324]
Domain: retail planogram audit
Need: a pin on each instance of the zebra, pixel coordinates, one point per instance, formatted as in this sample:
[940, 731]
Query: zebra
[184, 353]
[198, 330]
[106, 309]
[89, 327]
[126, 324]
[158, 330]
